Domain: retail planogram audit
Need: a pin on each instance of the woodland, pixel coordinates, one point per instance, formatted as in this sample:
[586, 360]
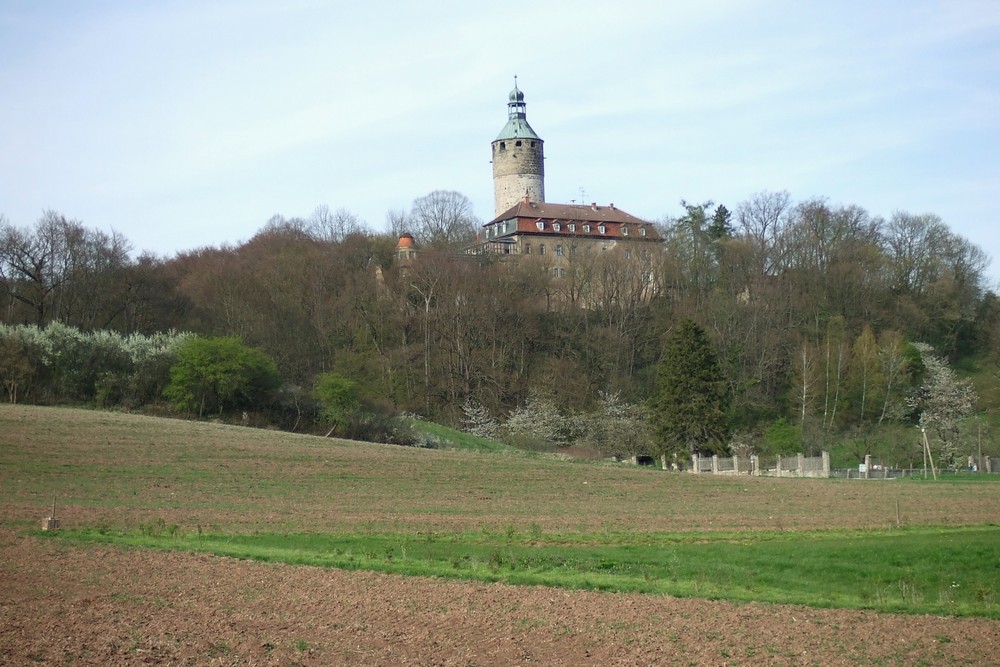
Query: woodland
[831, 328]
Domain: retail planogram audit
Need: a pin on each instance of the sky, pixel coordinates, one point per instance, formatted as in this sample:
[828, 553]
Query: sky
[190, 124]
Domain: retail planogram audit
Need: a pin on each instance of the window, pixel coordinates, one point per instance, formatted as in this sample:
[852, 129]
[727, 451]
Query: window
[586, 228]
[624, 230]
[503, 146]
[559, 252]
[572, 226]
[541, 249]
[517, 143]
[540, 225]
[642, 232]
[556, 226]
[527, 248]
[572, 249]
[602, 228]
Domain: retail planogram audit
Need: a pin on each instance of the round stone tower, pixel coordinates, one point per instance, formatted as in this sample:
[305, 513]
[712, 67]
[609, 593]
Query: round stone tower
[518, 168]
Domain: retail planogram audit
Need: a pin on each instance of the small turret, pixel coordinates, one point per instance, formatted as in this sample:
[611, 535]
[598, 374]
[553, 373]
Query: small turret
[406, 247]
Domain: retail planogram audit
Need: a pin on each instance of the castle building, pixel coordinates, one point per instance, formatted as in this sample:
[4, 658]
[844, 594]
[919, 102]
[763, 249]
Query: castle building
[525, 224]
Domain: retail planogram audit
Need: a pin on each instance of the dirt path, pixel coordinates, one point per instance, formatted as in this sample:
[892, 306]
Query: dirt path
[62, 605]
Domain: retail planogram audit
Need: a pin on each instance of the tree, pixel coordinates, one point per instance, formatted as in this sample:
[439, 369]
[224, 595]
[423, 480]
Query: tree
[443, 219]
[761, 221]
[942, 402]
[894, 365]
[618, 427]
[15, 369]
[692, 398]
[334, 226]
[538, 423]
[339, 399]
[865, 379]
[220, 373]
[477, 419]
[806, 380]
[35, 264]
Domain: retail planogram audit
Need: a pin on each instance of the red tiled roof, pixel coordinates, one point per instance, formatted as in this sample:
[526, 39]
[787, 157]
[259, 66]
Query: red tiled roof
[529, 214]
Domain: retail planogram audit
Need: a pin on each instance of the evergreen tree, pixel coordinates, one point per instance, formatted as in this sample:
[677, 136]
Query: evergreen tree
[689, 414]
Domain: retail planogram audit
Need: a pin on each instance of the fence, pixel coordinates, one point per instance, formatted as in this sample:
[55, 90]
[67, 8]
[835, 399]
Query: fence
[871, 469]
[784, 466]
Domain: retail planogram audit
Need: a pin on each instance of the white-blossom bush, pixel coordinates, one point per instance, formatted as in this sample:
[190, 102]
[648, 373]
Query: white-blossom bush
[478, 421]
[538, 423]
[67, 364]
[619, 428]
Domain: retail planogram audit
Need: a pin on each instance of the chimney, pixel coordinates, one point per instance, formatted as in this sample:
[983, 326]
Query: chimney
[612, 206]
[593, 206]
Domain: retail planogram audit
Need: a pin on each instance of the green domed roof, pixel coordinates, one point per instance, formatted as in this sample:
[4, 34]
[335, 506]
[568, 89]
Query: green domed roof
[517, 122]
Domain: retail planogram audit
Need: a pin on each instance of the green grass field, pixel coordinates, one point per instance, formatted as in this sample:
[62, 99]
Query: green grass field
[495, 516]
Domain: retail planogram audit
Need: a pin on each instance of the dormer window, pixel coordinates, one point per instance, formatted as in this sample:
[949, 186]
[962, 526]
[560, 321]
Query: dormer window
[624, 230]
[572, 226]
[586, 228]
[540, 225]
[642, 232]
[556, 226]
[602, 229]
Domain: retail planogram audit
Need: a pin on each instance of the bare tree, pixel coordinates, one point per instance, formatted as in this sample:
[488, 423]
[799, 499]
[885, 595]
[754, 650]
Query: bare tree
[334, 226]
[761, 220]
[397, 222]
[444, 219]
[36, 264]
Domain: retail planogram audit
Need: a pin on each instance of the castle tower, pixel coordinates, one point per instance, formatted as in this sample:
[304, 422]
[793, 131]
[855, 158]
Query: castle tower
[518, 168]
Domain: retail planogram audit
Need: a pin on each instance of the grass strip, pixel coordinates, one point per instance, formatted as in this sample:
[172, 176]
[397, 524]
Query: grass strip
[949, 571]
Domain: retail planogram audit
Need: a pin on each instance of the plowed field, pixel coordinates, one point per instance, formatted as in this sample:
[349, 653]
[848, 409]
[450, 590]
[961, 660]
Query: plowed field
[66, 604]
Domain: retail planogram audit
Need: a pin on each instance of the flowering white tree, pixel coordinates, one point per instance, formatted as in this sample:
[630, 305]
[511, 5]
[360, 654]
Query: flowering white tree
[539, 419]
[619, 427]
[943, 400]
[477, 420]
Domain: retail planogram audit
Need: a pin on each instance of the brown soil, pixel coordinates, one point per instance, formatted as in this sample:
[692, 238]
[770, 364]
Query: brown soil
[75, 605]
[62, 604]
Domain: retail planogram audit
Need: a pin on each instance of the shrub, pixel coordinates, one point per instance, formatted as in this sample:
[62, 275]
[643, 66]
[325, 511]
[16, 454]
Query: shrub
[219, 373]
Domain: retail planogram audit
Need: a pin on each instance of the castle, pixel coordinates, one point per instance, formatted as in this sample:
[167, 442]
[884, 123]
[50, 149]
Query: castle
[525, 224]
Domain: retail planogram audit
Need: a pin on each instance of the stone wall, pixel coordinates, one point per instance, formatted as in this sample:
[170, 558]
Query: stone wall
[516, 170]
